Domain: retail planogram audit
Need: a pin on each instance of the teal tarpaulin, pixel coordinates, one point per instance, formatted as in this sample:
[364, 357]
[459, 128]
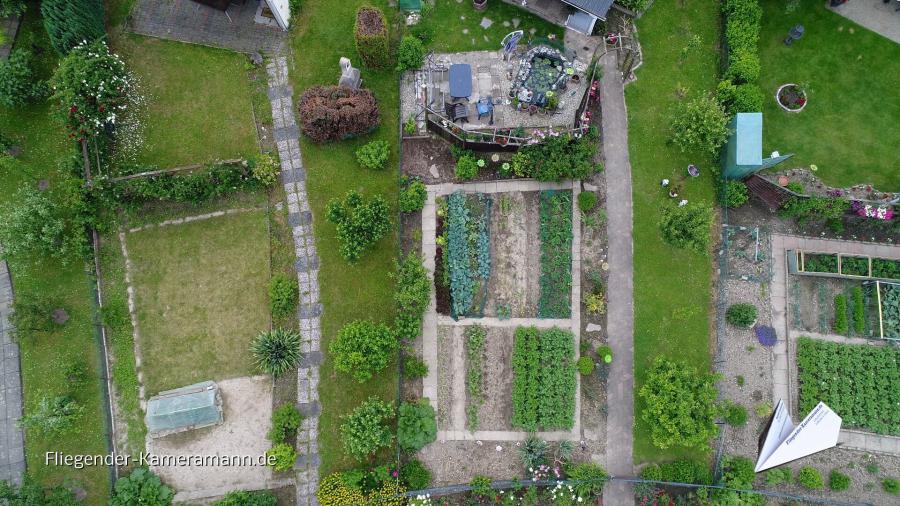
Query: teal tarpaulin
[410, 5]
[191, 407]
[743, 152]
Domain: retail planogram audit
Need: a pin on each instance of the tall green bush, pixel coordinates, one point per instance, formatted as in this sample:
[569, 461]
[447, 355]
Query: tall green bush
[360, 224]
[416, 425]
[412, 296]
[679, 405]
[410, 54]
[413, 195]
[687, 226]
[840, 325]
[736, 194]
[18, 84]
[371, 34]
[699, 125]
[363, 348]
[556, 157]
[365, 430]
[38, 224]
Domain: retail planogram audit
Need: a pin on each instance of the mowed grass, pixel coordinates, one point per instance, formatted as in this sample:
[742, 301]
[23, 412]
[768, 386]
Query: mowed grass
[849, 126]
[199, 104]
[449, 19]
[201, 297]
[671, 286]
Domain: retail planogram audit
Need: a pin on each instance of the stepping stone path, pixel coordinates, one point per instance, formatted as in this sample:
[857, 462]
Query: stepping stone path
[515, 22]
[293, 177]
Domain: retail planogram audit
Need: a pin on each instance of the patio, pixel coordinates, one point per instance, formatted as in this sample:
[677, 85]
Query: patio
[879, 16]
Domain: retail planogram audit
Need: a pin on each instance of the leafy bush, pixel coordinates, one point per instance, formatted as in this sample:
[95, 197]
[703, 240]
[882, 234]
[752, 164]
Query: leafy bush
[804, 210]
[265, 169]
[359, 224]
[891, 486]
[743, 66]
[838, 481]
[244, 498]
[412, 296]
[416, 426]
[605, 353]
[699, 125]
[282, 457]
[737, 473]
[587, 201]
[481, 486]
[339, 489]
[687, 226]
[10, 8]
[371, 34]
[858, 381]
[634, 5]
[742, 18]
[38, 224]
[410, 54]
[840, 325]
[796, 187]
[592, 476]
[459, 261]
[856, 266]
[365, 429]
[415, 475]
[734, 414]
[859, 311]
[335, 113]
[595, 303]
[72, 22]
[414, 367]
[681, 471]
[276, 351]
[585, 366]
[141, 487]
[543, 379]
[285, 422]
[736, 194]
[884, 268]
[363, 348]
[282, 296]
[413, 195]
[739, 98]
[466, 168]
[18, 84]
[810, 478]
[679, 405]
[778, 476]
[374, 155]
[741, 315]
[555, 158]
[53, 416]
[92, 87]
[556, 255]
[31, 493]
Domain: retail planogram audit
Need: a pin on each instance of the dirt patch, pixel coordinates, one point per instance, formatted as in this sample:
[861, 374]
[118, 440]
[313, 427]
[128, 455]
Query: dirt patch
[423, 158]
[496, 411]
[444, 379]
[411, 233]
[515, 241]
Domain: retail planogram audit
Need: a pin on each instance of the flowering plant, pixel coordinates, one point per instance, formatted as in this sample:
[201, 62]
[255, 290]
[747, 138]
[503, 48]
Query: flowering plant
[869, 211]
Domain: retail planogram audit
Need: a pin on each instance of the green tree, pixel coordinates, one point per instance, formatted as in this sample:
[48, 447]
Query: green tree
[276, 351]
[416, 425]
[18, 84]
[143, 488]
[363, 348]
[699, 125]
[679, 405]
[71, 22]
[687, 226]
[35, 224]
[359, 224]
[410, 53]
[365, 429]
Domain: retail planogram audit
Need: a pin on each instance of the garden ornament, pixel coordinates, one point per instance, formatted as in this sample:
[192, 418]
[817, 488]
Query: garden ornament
[665, 182]
[794, 34]
[350, 77]
[682, 203]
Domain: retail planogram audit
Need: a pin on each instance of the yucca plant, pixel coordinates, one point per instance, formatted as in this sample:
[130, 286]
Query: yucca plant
[276, 351]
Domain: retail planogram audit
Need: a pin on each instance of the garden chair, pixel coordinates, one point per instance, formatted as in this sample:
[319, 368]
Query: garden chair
[456, 112]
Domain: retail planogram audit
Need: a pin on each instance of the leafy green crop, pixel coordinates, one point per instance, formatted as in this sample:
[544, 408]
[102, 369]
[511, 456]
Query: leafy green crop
[820, 263]
[883, 268]
[890, 310]
[556, 255]
[475, 337]
[855, 266]
[543, 379]
[461, 282]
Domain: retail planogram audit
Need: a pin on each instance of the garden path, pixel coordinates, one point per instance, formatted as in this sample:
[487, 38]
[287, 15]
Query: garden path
[12, 441]
[620, 306]
[783, 349]
[293, 177]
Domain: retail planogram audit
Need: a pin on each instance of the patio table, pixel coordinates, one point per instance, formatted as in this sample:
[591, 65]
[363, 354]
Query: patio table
[460, 80]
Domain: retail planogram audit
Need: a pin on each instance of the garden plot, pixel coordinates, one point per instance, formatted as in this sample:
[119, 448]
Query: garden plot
[814, 304]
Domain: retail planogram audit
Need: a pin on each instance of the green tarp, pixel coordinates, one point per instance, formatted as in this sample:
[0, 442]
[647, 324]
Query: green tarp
[410, 5]
[185, 408]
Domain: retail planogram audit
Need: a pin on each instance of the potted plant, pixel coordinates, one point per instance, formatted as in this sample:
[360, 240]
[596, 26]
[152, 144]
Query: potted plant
[791, 97]
[479, 5]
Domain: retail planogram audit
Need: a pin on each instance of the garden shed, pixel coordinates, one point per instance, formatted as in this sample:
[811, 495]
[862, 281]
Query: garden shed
[186, 408]
[743, 152]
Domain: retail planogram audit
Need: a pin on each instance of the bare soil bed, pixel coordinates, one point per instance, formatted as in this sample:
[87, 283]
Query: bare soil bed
[423, 158]
[811, 304]
[496, 410]
[444, 377]
[515, 243]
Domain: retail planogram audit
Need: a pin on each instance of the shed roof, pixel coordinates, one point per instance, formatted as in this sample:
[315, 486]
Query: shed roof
[748, 135]
[598, 8]
[185, 408]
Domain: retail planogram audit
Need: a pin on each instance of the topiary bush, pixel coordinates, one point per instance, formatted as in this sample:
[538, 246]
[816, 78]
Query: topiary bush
[415, 475]
[838, 481]
[282, 296]
[736, 194]
[73, 22]
[363, 348]
[587, 201]
[285, 422]
[687, 226]
[413, 195]
[334, 113]
[365, 430]
[410, 54]
[359, 224]
[374, 155]
[810, 478]
[276, 351]
[741, 315]
[466, 168]
[141, 487]
[18, 84]
[416, 425]
[585, 366]
[281, 457]
[371, 34]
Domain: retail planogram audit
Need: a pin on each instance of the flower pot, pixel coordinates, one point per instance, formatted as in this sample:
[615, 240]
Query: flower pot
[791, 97]
[479, 5]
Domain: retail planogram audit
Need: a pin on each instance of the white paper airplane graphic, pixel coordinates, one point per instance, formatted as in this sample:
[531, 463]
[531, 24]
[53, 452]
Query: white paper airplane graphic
[781, 442]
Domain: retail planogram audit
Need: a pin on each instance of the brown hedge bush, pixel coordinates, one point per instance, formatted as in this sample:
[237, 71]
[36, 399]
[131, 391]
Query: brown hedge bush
[371, 35]
[334, 113]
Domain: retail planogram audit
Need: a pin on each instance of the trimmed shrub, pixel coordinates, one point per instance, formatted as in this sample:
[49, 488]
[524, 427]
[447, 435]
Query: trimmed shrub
[741, 315]
[742, 18]
[363, 348]
[810, 478]
[334, 113]
[466, 168]
[778, 476]
[359, 224]
[71, 22]
[141, 487]
[410, 54]
[838, 481]
[18, 84]
[415, 475]
[282, 296]
[840, 314]
[285, 422]
[687, 226]
[743, 66]
[371, 34]
[734, 414]
[699, 125]
[416, 425]
[276, 351]
[374, 155]
[414, 367]
[244, 498]
[739, 98]
[365, 430]
[736, 194]
[587, 201]
[585, 366]
[679, 405]
[283, 456]
[413, 195]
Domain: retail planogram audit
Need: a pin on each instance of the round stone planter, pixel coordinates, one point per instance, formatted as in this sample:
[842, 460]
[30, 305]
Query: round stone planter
[479, 5]
[787, 88]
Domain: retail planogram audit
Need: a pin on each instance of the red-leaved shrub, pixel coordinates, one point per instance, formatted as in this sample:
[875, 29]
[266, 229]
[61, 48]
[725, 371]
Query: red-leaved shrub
[334, 113]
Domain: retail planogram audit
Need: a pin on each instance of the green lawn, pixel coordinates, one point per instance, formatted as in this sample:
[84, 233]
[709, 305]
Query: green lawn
[450, 18]
[199, 104]
[849, 126]
[671, 286]
[201, 297]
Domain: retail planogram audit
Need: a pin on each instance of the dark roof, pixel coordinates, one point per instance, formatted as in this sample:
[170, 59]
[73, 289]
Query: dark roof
[598, 8]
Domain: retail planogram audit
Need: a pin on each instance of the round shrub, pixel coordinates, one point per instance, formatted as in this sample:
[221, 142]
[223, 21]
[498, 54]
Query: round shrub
[699, 125]
[413, 196]
[282, 457]
[838, 481]
[365, 430]
[587, 201]
[778, 476]
[416, 425]
[743, 66]
[371, 36]
[687, 226]
[415, 475]
[741, 315]
[414, 367]
[285, 422]
[810, 478]
[410, 53]
[736, 194]
[585, 366]
[359, 224]
[374, 155]
[334, 113]
[18, 84]
[282, 296]
[276, 351]
[363, 348]
[141, 487]
[466, 168]
[605, 353]
[734, 414]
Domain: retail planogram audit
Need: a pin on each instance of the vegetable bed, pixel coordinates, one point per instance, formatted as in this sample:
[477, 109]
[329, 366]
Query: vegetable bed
[556, 255]
[466, 252]
[890, 310]
[855, 266]
[544, 382]
[813, 262]
[860, 383]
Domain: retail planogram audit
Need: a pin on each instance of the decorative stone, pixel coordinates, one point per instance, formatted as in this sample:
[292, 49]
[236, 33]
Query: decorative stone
[604, 266]
[433, 170]
[59, 316]
[593, 327]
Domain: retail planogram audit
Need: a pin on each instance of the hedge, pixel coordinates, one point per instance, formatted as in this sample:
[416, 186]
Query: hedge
[334, 113]
[742, 26]
[371, 36]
